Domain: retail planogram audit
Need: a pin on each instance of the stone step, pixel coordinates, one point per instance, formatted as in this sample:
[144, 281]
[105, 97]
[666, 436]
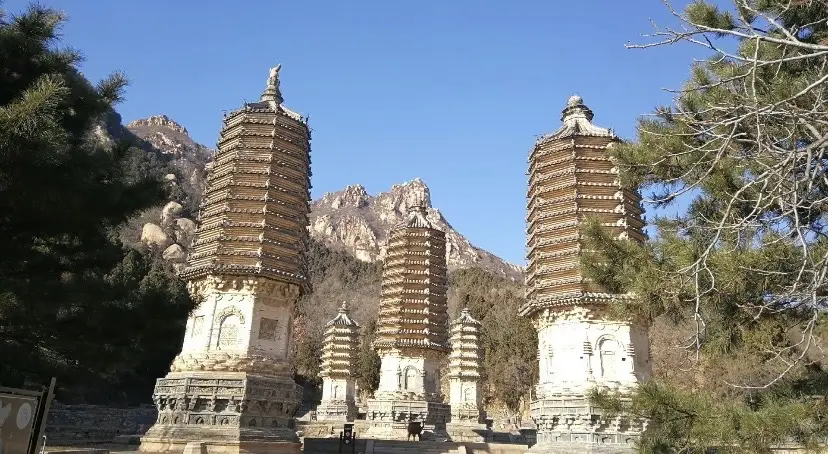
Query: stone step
[330, 446]
[424, 447]
[366, 446]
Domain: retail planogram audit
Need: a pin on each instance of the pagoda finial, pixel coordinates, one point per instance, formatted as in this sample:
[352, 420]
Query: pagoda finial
[574, 100]
[418, 204]
[344, 308]
[272, 92]
[576, 109]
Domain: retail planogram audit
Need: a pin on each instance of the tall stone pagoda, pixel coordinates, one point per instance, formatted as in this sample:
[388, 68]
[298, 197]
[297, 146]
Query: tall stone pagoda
[340, 356]
[231, 387]
[465, 396]
[412, 330]
[580, 347]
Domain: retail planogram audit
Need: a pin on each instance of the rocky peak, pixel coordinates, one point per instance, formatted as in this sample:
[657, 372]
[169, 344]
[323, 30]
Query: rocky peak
[354, 196]
[359, 223]
[188, 157]
[158, 121]
[400, 197]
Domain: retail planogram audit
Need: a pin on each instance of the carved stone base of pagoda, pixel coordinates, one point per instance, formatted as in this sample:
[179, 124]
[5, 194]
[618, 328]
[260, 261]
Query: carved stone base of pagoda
[389, 419]
[230, 412]
[336, 410]
[569, 423]
[467, 414]
[467, 424]
[467, 432]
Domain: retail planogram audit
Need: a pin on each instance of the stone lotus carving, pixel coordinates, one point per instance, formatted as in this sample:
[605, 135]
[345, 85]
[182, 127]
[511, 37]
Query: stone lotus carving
[229, 362]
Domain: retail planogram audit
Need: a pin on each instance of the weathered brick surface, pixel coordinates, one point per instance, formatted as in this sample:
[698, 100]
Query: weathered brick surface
[81, 424]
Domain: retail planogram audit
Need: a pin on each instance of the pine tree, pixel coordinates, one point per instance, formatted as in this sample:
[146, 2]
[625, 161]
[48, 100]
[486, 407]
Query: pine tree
[741, 271]
[368, 369]
[73, 302]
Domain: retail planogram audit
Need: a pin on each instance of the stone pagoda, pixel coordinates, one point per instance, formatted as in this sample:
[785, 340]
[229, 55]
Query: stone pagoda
[580, 347]
[340, 356]
[465, 397]
[231, 387]
[411, 336]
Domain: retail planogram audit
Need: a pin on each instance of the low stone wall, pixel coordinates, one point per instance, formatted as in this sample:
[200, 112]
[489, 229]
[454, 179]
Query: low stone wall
[83, 424]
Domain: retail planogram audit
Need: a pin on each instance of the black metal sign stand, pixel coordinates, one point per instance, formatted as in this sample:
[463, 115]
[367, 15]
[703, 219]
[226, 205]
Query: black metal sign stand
[24, 415]
[347, 438]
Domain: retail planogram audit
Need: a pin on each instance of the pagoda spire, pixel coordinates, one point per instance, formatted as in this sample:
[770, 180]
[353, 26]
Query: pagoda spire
[272, 93]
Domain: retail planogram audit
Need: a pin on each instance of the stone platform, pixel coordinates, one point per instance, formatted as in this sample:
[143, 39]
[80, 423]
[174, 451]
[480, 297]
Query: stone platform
[389, 419]
[330, 446]
[465, 432]
[232, 412]
[336, 410]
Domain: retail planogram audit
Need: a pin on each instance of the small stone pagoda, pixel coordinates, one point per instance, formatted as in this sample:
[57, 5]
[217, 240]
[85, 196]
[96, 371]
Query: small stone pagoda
[232, 387]
[340, 356]
[465, 397]
[580, 346]
[412, 330]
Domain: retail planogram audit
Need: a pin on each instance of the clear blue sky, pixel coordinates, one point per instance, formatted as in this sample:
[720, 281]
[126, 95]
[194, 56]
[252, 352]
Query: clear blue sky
[453, 91]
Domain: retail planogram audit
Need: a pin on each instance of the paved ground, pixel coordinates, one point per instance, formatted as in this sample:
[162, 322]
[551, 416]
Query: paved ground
[112, 448]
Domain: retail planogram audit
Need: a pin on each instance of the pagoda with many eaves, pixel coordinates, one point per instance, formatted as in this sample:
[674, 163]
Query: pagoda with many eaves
[581, 346]
[412, 330]
[231, 388]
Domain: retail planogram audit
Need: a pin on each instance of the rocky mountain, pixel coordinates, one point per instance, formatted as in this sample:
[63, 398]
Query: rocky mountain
[353, 220]
[188, 157]
[349, 220]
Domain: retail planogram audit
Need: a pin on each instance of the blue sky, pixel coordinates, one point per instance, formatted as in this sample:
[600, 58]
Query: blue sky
[453, 92]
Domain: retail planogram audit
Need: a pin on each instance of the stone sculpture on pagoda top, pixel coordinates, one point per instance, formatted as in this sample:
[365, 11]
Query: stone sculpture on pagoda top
[340, 356]
[231, 387]
[580, 345]
[412, 330]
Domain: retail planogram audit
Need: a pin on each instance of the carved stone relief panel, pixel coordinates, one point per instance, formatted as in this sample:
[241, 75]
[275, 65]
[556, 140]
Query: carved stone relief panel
[268, 329]
[228, 337]
[198, 326]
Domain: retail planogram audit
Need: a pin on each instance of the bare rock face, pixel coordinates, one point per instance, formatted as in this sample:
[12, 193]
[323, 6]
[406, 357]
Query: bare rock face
[188, 157]
[352, 220]
[158, 120]
[353, 196]
[154, 235]
[184, 229]
[175, 253]
[170, 212]
[350, 230]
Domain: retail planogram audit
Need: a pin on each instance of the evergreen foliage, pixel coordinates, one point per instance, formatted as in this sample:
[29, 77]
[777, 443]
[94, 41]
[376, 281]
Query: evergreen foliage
[73, 302]
[741, 271]
[369, 361]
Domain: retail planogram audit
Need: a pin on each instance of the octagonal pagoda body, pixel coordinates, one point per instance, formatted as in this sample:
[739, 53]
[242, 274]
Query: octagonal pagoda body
[412, 329]
[572, 179]
[231, 387]
[340, 357]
